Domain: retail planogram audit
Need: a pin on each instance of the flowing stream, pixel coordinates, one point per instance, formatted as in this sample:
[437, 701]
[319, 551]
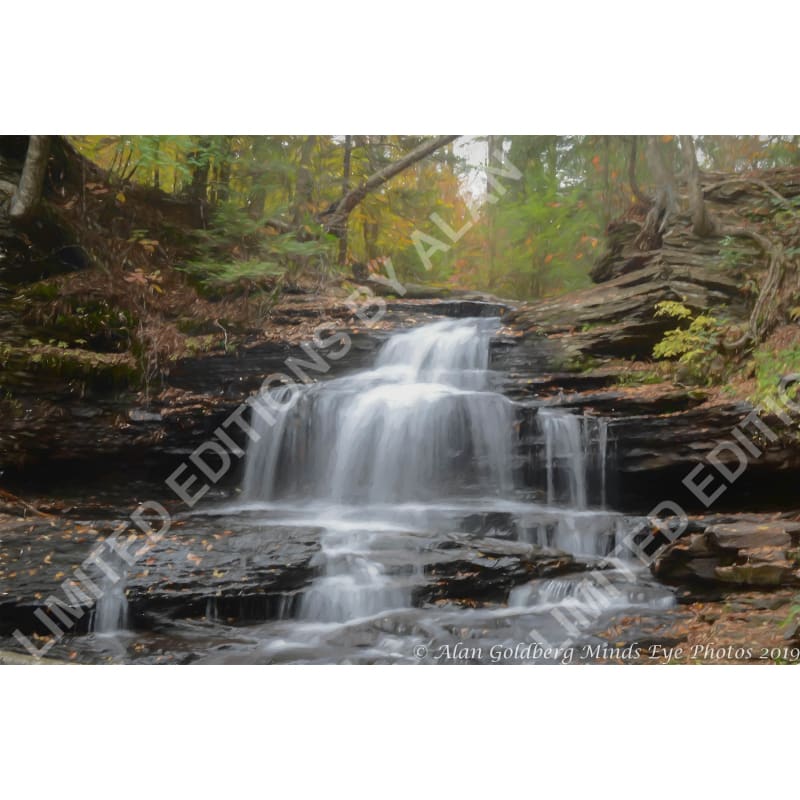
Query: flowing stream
[409, 473]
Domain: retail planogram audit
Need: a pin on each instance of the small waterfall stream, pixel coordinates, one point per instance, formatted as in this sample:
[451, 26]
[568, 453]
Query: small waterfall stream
[383, 457]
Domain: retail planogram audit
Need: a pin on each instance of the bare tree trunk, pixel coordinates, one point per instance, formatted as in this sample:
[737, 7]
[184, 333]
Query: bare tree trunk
[491, 233]
[348, 148]
[156, 170]
[634, 184]
[664, 203]
[304, 185]
[702, 224]
[199, 186]
[224, 173]
[29, 191]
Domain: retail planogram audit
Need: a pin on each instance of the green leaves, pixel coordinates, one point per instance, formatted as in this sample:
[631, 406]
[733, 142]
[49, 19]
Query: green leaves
[671, 308]
[695, 346]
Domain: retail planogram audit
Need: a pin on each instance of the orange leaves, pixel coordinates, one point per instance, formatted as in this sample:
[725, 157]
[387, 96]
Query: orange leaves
[548, 258]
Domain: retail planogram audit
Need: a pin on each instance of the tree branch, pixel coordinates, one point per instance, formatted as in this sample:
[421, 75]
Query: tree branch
[334, 217]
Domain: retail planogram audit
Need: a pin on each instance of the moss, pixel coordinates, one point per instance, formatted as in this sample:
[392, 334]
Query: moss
[640, 377]
[581, 363]
[196, 345]
[95, 324]
[43, 290]
[99, 372]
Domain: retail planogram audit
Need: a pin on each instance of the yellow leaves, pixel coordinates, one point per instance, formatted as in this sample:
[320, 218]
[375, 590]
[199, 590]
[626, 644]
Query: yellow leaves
[48, 559]
[59, 575]
[120, 197]
[149, 245]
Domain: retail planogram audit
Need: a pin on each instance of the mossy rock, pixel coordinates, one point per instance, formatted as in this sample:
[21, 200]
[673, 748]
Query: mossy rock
[98, 372]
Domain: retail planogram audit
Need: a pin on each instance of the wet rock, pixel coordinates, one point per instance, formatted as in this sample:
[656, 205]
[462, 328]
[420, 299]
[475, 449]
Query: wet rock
[498, 524]
[763, 574]
[244, 575]
[485, 570]
[733, 555]
[253, 573]
[740, 535]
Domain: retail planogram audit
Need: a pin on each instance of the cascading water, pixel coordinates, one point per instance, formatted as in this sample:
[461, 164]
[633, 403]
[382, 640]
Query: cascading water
[399, 482]
[575, 452]
[111, 609]
[421, 425]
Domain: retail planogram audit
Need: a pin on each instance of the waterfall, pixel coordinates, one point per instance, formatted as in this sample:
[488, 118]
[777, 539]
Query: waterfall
[111, 609]
[575, 457]
[421, 425]
[389, 462]
[354, 584]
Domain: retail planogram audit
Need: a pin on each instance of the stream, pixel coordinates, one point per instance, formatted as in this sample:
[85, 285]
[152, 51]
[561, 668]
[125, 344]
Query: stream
[389, 504]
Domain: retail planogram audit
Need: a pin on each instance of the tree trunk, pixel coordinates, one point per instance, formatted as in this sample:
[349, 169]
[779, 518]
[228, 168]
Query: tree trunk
[634, 184]
[491, 233]
[199, 186]
[304, 185]
[702, 224]
[663, 207]
[348, 148]
[29, 191]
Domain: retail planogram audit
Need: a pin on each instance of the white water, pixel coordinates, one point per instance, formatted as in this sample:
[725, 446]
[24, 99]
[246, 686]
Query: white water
[576, 450]
[421, 425]
[111, 609]
[397, 464]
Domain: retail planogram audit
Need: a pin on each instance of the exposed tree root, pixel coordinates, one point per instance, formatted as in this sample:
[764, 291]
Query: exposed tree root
[764, 315]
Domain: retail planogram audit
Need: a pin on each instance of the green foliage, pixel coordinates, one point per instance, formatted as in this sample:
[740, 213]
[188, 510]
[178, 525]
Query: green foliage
[736, 252]
[671, 308]
[640, 377]
[529, 236]
[695, 346]
[771, 365]
[239, 250]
